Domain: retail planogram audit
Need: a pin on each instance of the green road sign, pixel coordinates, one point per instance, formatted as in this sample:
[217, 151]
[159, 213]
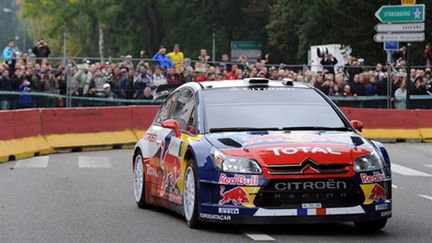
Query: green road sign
[401, 13]
[246, 45]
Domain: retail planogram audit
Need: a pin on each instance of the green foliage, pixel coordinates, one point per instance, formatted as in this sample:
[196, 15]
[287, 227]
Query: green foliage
[286, 28]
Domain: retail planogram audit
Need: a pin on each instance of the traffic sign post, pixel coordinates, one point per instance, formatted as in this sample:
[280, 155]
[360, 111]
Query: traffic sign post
[391, 46]
[403, 27]
[400, 37]
[401, 13]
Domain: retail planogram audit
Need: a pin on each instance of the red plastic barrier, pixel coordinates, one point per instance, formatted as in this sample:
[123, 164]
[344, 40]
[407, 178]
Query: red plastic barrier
[142, 116]
[79, 120]
[19, 124]
[383, 118]
[424, 118]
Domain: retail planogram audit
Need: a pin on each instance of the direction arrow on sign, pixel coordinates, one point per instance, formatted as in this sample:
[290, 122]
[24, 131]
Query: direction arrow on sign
[401, 13]
[406, 27]
[400, 37]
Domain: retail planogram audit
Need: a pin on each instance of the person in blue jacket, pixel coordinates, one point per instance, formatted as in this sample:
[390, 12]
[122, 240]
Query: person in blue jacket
[161, 59]
[25, 100]
[9, 51]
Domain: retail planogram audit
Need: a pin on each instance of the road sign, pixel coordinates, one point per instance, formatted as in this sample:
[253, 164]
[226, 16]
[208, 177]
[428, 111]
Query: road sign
[400, 37]
[408, 2]
[401, 13]
[405, 27]
[391, 45]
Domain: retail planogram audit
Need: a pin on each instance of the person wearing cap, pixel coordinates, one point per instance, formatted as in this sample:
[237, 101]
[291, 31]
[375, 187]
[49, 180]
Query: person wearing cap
[123, 83]
[128, 62]
[161, 59]
[176, 56]
[107, 91]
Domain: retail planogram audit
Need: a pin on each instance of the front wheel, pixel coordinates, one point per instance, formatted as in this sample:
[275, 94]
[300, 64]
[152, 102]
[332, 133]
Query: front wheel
[139, 183]
[190, 196]
[375, 225]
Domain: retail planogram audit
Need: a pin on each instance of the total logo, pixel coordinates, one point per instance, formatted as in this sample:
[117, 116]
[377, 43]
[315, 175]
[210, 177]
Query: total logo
[293, 150]
[376, 177]
[238, 180]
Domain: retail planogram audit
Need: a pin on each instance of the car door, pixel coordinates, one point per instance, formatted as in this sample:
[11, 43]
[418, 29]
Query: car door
[170, 157]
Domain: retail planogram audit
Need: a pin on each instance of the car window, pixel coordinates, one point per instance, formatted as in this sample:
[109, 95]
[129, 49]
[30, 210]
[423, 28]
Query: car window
[184, 110]
[166, 111]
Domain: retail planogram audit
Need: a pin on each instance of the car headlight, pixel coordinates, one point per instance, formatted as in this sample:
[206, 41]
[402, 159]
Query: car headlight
[368, 162]
[228, 163]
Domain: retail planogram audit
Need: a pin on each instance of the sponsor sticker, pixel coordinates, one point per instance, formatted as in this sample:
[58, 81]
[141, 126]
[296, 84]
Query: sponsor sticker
[376, 177]
[152, 171]
[236, 196]
[150, 137]
[381, 207]
[215, 216]
[311, 205]
[174, 147]
[238, 180]
[229, 210]
[293, 150]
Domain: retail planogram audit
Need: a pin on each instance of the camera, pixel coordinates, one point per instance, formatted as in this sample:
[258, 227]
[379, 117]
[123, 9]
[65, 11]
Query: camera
[322, 51]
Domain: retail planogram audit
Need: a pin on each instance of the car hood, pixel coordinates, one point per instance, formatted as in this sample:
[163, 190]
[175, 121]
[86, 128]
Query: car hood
[295, 147]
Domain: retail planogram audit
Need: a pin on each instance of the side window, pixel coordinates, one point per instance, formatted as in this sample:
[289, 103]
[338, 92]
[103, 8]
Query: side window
[185, 109]
[166, 111]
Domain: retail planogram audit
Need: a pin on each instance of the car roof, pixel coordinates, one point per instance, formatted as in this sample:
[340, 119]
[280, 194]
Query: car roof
[247, 82]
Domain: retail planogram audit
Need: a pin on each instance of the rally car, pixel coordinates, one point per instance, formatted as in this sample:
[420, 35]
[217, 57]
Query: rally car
[258, 151]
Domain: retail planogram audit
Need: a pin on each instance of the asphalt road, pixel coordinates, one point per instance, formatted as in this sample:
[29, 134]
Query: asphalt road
[87, 197]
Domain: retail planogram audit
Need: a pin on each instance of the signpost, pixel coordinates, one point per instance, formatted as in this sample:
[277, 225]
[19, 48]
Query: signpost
[400, 23]
[401, 13]
[400, 37]
[403, 27]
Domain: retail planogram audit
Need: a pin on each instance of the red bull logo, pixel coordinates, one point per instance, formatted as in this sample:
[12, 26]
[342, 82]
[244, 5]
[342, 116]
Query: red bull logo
[236, 196]
[377, 193]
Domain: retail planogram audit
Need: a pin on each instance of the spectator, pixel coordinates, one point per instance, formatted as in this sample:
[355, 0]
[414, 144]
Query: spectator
[371, 86]
[161, 59]
[41, 50]
[225, 63]
[358, 86]
[123, 84]
[329, 62]
[172, 77]
[400, 96]
[427, 55]
[127, 62]
[176, 56]
[158, 78]
[146, 94]
[107, 92]
[5, 85]
[400, 55]
[25, 100]
[347, 91]
[203, 58]
[82, 79]
[233, 73]
[9, 52]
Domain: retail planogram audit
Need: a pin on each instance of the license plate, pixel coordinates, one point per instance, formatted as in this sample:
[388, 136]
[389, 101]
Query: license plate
[311, 205]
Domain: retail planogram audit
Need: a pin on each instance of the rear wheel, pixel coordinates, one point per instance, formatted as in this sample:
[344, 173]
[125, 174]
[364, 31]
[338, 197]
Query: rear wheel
[190, 196]
[375, 225]
[139, 183]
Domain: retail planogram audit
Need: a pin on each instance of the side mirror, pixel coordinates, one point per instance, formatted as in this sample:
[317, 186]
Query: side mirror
[172, 124]
[358, 125]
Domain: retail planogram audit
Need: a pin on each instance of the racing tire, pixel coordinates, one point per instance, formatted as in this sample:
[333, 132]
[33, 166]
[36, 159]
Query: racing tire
[139, 180]
[371, 225]
[190, 196]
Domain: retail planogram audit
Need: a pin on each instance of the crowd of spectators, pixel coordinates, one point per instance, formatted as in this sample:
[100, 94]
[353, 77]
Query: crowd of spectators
[131, 78]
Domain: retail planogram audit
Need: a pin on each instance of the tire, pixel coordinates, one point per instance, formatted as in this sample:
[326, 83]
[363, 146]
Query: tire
[190, 196]
[139, 180]
[371, 225]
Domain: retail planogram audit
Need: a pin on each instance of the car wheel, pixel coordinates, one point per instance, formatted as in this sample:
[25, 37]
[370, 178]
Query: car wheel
[139, 182]
[371, 225]
[190, 196]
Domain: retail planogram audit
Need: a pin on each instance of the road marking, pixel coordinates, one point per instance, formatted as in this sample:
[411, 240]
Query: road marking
[425, 196]
[407, 171]
[430, 166]
[395, 186]
[93, 162]
[257, 236]
[35, 162]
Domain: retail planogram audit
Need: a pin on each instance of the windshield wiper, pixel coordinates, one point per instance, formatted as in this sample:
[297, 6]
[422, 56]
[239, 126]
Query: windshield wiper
[316, 128]
[241, 129]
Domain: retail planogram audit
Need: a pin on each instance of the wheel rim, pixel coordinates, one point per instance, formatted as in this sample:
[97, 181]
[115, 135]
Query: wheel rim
[138, 178]
[189, 194]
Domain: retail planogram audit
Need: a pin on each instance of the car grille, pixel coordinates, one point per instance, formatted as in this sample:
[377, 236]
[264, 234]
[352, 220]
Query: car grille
[308, 167]
[341, 192]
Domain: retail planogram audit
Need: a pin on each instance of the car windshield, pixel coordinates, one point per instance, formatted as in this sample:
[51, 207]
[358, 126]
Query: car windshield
[268, 108]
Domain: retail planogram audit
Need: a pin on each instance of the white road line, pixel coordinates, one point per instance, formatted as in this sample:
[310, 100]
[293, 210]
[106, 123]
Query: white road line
[395, 186]
[407, 171]
[93, 162]
[425, 196]
[257, 236]
[35, 162]
[430, 166]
